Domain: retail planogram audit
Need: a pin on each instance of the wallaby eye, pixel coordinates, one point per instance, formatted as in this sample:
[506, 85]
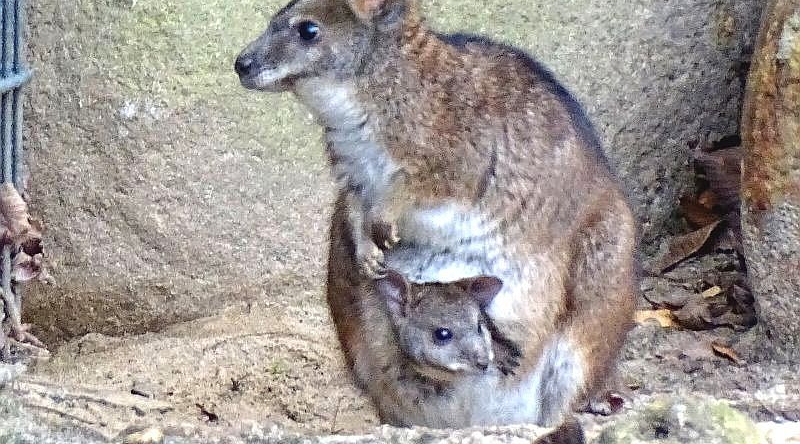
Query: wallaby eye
[308, 30]
[442, 335]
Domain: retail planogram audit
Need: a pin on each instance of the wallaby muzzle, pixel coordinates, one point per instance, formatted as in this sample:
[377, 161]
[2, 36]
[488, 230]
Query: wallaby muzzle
[255, 69]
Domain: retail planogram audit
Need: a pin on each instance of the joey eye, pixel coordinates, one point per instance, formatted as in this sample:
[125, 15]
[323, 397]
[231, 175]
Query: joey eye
[442, 335]
[308, 30]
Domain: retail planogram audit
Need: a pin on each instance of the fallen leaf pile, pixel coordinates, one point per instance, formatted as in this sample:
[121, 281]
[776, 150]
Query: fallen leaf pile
[22, 235]
[698, 280]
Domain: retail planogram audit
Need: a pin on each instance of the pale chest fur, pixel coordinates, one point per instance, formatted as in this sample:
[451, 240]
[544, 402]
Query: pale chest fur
[438, 244]
[359, 160]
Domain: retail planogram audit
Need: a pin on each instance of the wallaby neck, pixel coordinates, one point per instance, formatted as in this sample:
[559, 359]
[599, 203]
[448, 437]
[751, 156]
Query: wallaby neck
[334, 102]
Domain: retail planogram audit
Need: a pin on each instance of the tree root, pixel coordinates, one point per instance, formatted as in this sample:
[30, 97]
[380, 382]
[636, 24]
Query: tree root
[20, 241]
[13, 333]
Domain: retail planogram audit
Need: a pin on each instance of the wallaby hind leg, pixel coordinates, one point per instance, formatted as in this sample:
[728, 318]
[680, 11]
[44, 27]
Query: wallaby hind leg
[344, 287]
[600, 292]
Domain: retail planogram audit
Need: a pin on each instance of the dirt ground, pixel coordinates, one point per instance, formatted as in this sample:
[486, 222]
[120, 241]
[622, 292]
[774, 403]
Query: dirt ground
[276, 361]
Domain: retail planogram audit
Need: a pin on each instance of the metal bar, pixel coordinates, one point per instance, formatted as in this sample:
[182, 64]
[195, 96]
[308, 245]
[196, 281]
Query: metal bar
[5, 138]
[19, 69]
[16, 142]
[8, 37]
[13, 75]
[9, 23]
[18, 21]
[6, 42]
[14, 81]
[8, 308]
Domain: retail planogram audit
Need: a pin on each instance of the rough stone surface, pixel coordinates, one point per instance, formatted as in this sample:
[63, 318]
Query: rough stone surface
[771, 178]
[168, 192]
[669, 420]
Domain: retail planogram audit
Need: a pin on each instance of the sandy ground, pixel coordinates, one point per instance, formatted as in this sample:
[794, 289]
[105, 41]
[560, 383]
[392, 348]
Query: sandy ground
[276, 361]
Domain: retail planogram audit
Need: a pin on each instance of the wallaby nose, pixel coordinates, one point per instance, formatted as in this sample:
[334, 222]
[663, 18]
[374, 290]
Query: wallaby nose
[244, 64]
[482, 364]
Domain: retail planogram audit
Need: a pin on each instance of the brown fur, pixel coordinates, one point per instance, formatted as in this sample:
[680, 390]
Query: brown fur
[478, 127]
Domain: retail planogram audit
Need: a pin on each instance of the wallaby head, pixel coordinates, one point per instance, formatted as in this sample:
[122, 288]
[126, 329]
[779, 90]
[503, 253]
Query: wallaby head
[320, 39]
[441, 326]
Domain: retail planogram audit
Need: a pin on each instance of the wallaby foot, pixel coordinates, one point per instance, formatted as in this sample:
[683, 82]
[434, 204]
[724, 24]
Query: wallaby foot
[569, 432]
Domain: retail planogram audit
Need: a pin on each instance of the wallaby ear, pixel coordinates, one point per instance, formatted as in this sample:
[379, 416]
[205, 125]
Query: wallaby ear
[482, 288]
[383, 12]
[394, 288]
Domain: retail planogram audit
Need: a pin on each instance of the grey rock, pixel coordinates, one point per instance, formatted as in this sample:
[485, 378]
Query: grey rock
[772, 243]
[663, 420]
[676, 420]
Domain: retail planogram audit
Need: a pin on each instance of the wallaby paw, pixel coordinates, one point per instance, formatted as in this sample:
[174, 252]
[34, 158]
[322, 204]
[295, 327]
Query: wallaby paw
[507, 354]
[385, 234]
[371, 261]
[605, 404]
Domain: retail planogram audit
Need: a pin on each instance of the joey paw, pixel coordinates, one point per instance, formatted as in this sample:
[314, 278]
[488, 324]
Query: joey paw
[506, 366]
[506, 357]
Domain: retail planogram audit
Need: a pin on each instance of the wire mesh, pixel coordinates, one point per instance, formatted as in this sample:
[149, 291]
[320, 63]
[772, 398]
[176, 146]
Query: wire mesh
[14, 74]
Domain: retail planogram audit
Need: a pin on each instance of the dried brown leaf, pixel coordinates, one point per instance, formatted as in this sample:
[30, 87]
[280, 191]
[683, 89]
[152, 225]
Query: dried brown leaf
[680, 248]
[699, 211]
[727, 353]
[672, 299]
[711, 292]
[695, 315]
[17, 228]
[662, 316]
[723, 171]
[26, 268]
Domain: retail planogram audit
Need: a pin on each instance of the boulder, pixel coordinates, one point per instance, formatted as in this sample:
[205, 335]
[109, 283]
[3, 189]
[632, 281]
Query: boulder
[771, 178]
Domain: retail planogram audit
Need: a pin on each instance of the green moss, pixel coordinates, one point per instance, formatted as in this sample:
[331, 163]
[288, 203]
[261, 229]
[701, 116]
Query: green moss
[179, 55]
[674, 421]
[183, 51]
[735, 426]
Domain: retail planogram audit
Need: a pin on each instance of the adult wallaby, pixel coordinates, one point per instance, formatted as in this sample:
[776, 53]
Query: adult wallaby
[459, 157]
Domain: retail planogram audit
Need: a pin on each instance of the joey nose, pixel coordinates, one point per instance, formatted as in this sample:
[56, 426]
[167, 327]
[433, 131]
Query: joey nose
[244, 64]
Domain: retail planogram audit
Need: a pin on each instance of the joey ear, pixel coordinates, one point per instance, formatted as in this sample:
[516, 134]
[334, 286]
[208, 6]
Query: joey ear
[381, 12]
[482, 288]
[394, 288]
